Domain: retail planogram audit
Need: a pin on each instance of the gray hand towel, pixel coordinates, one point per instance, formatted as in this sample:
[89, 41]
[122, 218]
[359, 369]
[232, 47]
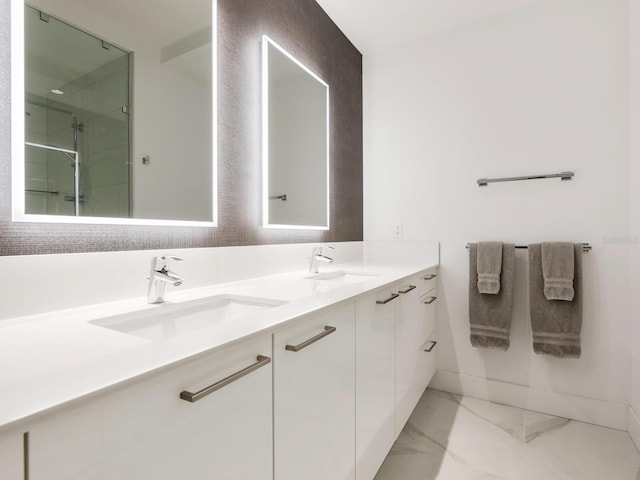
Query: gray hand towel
[558, 270]
[556, 325]
[489, 267]
[490, 315]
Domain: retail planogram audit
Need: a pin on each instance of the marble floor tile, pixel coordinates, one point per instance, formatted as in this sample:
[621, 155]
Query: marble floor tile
[536, 424]
[450, 437]
[508, 419]
[563, 449]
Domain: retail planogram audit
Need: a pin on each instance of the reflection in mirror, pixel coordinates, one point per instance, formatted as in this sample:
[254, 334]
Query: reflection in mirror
[295, 142]
[64, 69]
[118, 113]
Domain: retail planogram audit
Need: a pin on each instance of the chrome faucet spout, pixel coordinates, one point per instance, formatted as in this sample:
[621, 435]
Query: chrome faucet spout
[316, 257]
[169, 278]
[160, 277]
[324, 258]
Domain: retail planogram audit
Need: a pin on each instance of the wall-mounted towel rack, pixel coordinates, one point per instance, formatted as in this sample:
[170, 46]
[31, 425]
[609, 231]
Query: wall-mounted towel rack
[483, 182]
[586, 247]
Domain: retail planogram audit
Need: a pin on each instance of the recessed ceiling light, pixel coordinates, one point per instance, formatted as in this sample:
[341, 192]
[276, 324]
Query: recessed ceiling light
[57, 91]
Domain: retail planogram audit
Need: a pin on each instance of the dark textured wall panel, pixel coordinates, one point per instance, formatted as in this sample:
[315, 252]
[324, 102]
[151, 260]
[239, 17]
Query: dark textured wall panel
[302, 28]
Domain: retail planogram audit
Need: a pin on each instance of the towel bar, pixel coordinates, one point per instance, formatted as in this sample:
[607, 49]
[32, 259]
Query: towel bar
[586, 247]
[483, 182]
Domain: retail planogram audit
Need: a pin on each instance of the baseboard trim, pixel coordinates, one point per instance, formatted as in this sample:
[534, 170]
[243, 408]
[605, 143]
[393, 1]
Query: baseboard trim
[590, 410]
[634, 427]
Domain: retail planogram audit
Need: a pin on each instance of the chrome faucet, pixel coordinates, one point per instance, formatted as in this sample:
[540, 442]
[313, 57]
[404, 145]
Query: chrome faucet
[316, 257]
[160, 277]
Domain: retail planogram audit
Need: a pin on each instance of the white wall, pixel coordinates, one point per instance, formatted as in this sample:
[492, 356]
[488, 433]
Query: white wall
[176, 133]
[171, 121]
[634, 191]
[538, 90]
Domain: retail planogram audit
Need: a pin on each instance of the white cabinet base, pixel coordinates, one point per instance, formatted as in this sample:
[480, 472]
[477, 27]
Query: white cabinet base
[146, 431]
[415, 331]
[375, 381]
[314, 398]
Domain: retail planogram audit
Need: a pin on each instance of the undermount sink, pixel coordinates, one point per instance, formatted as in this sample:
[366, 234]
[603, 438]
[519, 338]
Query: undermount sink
[343, 276]
[171, 320]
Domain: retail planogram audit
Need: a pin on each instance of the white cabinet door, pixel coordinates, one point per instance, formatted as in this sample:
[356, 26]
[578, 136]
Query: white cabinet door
[314, 397]
[67, 444]
[11, 455]
[375, 380]
[415, 366]
[147, 431]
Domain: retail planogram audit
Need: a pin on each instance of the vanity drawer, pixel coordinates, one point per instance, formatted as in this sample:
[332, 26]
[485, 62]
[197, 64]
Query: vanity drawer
[428, 281]
[415, 323]
[428, 359]
[415, 368]
[429, 306]
[151, 429]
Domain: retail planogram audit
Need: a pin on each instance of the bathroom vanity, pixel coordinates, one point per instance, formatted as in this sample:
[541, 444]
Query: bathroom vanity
[295, 376]
[286, 376]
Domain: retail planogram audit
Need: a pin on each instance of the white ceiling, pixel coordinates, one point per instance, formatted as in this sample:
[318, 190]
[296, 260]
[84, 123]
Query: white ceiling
[373, 25]
[56, 54]
[162, 21]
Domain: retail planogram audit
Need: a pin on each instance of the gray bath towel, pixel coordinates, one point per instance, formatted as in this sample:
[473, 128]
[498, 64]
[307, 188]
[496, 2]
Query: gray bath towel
[489, 267]
[557, 270]
[490, 315]
[556, 324]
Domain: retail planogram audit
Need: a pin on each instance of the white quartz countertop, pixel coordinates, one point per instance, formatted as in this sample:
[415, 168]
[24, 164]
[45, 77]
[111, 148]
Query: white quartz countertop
[50, 359]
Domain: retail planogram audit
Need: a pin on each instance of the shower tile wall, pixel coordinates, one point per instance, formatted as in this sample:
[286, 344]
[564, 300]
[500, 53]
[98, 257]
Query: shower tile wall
[103, 143]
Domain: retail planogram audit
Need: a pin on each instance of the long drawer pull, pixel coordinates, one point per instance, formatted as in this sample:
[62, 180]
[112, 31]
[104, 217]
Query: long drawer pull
[25, 455]
[431, 276]
[407, 289]
[296, 348]
[433, 345]
[430, 300]
[387, 300]
[194, 397]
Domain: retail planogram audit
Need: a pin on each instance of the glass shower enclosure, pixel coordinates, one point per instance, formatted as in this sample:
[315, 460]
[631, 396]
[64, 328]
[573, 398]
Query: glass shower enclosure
[78, 147]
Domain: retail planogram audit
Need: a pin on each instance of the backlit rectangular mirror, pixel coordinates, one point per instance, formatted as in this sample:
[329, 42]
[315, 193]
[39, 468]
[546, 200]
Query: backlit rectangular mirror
[295, 142]
[114, 120]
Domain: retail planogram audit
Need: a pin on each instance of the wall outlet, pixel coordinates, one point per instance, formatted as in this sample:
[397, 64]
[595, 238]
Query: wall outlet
[397, 230]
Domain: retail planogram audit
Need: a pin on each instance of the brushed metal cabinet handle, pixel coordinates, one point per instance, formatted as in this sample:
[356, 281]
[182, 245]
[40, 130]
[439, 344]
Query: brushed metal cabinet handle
[433, 345]
[431, 276]
[25, 455]
[200, 394]
[431, 300]
[296, 348]
[387, 300]
[407, 289]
